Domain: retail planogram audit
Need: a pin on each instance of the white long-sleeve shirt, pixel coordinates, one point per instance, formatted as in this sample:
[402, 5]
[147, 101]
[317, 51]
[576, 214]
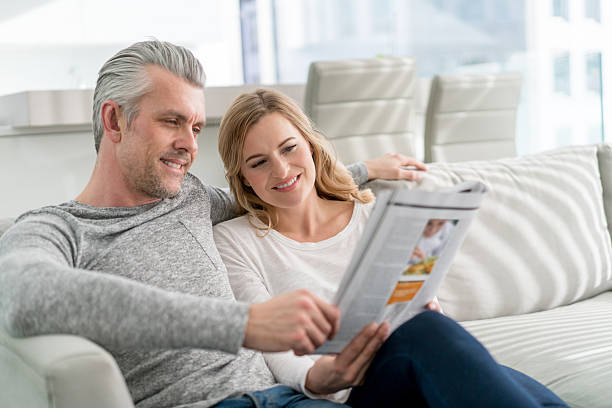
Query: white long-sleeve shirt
[261, 267]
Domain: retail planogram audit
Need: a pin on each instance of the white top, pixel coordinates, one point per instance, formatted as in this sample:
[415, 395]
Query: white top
[262, 267]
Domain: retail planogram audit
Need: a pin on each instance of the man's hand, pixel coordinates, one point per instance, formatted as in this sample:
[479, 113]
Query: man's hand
[391, 167]
[297, 321]
[333, 373]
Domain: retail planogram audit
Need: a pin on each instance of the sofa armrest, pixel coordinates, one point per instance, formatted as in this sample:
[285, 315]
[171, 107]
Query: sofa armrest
[59, 371]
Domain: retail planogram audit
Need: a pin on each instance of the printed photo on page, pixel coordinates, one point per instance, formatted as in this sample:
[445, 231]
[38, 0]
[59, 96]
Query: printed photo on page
[430, 245]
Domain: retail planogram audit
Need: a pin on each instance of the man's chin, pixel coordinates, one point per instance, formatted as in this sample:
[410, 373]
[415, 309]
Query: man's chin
[161, 191]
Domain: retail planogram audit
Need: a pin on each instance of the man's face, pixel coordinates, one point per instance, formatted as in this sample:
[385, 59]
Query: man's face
[160, 145]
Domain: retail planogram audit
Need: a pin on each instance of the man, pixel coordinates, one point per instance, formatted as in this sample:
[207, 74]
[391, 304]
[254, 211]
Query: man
[131, 263]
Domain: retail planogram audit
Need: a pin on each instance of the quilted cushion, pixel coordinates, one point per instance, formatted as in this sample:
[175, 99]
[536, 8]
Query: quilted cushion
[604, 156]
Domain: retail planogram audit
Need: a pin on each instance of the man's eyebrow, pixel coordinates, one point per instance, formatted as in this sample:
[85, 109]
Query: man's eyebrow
[279, 145]
[181, 117]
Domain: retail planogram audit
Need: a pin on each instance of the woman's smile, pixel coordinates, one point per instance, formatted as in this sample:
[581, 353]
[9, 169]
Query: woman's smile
[289, 185]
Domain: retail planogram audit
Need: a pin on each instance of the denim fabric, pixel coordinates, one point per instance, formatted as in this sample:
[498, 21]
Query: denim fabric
[275, 397]
[432, 361]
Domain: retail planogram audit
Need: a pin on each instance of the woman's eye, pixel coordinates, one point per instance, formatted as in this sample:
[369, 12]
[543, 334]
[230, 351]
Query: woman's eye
[257, 163]
[289, 148]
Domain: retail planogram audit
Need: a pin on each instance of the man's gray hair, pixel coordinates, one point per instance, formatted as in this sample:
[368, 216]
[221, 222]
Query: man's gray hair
[123, 79]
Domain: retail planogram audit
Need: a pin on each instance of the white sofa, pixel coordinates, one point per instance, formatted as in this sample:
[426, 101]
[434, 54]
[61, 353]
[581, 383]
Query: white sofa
[532, 281]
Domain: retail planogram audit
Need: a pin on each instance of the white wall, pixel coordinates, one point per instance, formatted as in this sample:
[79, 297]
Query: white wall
[51, 168]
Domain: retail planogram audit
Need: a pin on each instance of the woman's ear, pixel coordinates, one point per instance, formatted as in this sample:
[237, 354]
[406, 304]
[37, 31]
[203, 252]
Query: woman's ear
[111, 118]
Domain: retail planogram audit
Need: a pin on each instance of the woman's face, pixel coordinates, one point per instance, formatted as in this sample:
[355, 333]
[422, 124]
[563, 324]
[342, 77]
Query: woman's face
[277, 162]
[432, 227]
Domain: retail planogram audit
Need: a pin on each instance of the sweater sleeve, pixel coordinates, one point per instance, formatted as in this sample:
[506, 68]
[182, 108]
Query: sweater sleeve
[249, 286]
[359, 171]
[42, 293]
[222, 204]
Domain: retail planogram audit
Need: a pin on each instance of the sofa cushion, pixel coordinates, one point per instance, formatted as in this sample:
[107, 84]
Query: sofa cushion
[567, 349]
[604, 156]
[539, 241]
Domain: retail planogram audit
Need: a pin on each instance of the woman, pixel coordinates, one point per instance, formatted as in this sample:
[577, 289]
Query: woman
[304, 216]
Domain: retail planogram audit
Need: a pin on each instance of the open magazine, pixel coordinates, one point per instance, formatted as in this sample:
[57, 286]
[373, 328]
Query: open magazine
[407, 246]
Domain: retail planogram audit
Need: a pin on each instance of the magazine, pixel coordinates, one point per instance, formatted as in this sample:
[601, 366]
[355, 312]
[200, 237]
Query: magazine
[407, 246]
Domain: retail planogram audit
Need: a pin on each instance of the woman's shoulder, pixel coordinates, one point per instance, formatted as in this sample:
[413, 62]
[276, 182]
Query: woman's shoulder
[235, 225]
[364, 209]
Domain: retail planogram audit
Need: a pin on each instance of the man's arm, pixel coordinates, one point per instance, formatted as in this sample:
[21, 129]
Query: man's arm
[41, 293]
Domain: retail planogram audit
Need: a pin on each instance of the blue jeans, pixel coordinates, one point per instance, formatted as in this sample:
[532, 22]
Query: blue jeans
[276, 397]
[429, 361]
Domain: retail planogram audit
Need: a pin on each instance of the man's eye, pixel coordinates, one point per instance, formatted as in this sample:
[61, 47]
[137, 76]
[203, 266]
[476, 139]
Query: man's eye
[196, 130]
[172, 122]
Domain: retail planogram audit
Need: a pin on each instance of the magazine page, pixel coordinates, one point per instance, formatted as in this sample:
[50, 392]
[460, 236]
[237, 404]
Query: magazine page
[406, 249]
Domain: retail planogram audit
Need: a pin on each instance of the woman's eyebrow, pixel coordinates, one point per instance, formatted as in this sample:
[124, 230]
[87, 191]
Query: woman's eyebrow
[260, 154]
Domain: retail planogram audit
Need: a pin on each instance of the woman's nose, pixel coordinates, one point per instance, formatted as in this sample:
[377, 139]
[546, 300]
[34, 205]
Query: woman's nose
[280, 168]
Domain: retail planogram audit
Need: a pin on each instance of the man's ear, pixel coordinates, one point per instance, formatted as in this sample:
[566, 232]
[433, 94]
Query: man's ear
[111, 120]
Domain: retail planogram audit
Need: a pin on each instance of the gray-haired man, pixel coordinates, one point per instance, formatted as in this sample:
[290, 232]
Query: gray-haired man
[131, 263]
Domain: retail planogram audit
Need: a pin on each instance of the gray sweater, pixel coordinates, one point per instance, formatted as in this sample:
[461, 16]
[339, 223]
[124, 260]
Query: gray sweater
[147, 283]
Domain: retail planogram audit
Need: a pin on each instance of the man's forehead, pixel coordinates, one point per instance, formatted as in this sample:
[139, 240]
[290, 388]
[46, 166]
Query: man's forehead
[171, 93]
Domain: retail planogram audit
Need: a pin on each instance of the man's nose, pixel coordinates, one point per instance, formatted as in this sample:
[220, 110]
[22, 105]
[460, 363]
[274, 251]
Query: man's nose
[187, 141]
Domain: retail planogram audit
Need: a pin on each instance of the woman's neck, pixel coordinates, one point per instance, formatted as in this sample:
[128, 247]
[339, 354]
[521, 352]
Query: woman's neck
[315, 220]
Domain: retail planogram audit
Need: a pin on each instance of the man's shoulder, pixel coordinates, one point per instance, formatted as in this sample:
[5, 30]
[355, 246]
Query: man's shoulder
[61, 212]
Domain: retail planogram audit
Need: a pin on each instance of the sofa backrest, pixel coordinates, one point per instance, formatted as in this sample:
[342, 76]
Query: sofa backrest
[540, 239]
[5, 224]
[604, 156]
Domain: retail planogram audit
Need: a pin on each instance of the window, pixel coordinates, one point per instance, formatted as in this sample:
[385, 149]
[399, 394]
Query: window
[61, 44]
[561, 9]
[593, 72]
[561, 75]
[443, 35]
[592, 10]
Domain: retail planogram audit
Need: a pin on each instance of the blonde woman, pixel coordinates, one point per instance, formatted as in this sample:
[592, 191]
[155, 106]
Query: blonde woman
[303, 216]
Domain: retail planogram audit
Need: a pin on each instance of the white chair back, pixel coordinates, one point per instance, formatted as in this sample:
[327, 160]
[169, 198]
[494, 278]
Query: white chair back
[472, 117]
[365, 106]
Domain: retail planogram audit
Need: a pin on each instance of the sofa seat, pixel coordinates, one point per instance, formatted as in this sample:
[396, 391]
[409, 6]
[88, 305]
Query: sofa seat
[576, 337]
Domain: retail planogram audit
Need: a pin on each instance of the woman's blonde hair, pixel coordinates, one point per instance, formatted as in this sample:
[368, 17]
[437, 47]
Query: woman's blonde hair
[333, 181]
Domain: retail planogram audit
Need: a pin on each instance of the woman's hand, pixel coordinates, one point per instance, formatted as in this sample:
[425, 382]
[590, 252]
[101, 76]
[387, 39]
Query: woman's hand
[435, 306]
[392, 167]
[333, 373]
